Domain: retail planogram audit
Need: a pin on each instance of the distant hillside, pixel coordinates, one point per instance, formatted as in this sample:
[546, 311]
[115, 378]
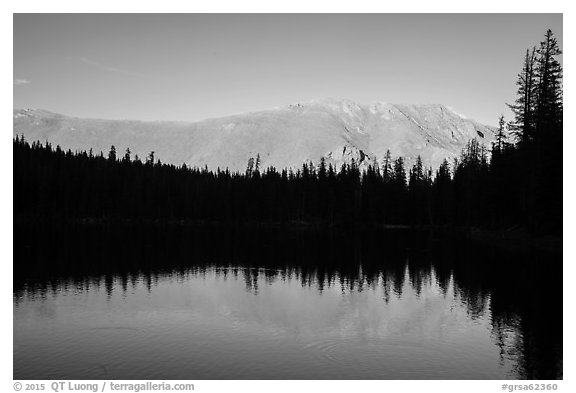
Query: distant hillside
[338, 130]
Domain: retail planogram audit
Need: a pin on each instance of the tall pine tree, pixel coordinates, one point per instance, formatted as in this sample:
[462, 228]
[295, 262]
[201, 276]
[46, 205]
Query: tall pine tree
[524, 107]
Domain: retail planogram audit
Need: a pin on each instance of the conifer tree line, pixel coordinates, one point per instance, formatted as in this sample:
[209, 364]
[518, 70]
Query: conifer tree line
[516, 182]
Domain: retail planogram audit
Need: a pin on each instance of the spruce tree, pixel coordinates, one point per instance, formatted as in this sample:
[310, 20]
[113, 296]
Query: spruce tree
[250, 167]
[127, 155]
[257, 164]
[150, 159]
[546, 170]
[549, 100]
[387, 166]
[399, 173]
[416, 174]
[112, 153]
[524, 107]
[500, 143]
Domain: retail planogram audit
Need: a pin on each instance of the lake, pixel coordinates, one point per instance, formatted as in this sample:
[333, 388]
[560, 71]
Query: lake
[176, 302]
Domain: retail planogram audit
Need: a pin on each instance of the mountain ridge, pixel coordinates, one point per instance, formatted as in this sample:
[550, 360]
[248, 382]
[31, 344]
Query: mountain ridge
[285, 137]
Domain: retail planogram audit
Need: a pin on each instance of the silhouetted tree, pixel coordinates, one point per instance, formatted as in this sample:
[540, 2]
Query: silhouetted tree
[387, 166]
[257, 163]
[250, 167]
[549, 99]
[525, 104]
[112, 153]
[399, 177]
[150, 159]
[501, 137]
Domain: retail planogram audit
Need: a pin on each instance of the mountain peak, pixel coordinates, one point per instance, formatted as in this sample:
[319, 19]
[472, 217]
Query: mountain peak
[337, 129]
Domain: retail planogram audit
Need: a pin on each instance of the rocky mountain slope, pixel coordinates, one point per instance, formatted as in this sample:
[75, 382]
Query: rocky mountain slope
[338, 130]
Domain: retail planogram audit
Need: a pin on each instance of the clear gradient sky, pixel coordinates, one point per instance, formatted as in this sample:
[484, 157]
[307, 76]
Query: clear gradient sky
[197, 66]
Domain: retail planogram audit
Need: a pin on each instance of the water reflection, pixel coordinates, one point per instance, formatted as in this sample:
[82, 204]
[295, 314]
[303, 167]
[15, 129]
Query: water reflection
[281, 304]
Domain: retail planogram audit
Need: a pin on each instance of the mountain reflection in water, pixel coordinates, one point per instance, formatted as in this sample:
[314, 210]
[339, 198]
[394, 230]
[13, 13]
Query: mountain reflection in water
[153, 301]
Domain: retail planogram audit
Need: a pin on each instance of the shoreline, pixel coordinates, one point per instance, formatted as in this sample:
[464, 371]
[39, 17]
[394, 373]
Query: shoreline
[511, 238]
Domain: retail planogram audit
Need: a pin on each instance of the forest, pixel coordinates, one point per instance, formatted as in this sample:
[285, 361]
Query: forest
[515, 183]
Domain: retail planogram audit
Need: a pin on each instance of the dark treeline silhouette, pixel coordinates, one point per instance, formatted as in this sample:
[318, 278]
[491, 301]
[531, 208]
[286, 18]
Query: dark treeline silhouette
[520, 297]
[514, 183]
[53, 183]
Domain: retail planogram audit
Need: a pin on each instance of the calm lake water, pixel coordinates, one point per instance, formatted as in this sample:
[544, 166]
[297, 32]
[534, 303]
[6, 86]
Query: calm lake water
[151, 302]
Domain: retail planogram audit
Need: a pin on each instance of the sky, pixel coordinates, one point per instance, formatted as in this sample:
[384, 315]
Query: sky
[195, 66]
